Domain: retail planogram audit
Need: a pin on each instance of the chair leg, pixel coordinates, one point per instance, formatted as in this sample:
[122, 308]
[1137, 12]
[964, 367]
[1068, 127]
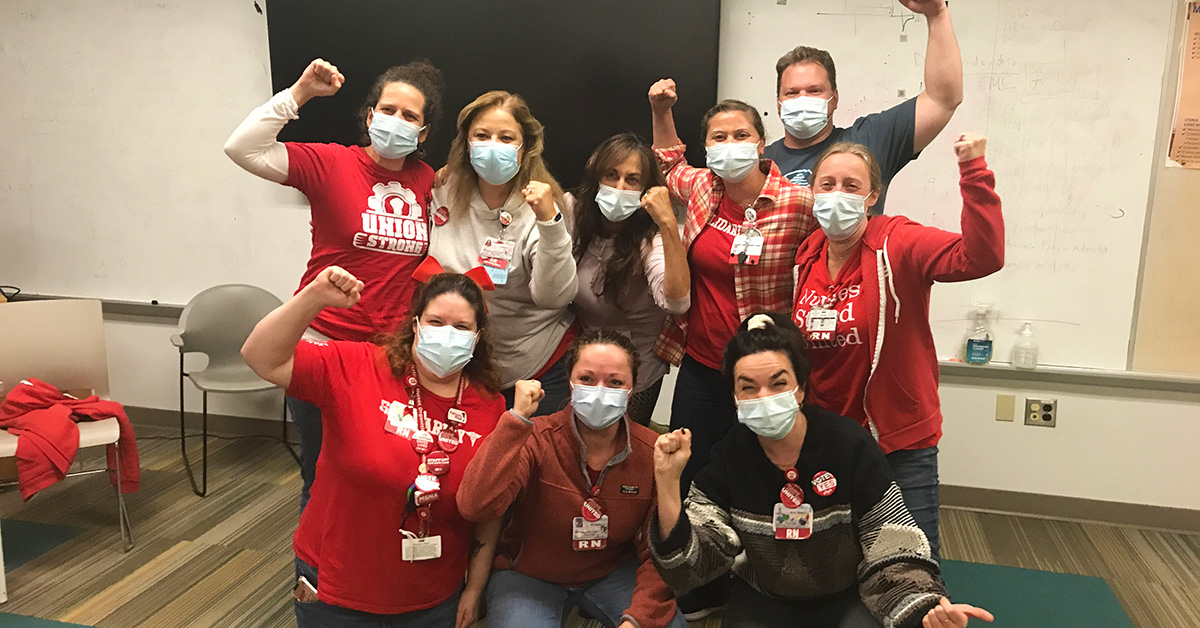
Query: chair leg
[201, 489]
[122, 513]
[284, 435]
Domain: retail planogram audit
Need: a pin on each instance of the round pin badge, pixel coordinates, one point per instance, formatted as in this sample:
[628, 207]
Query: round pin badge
[422, 442]
[448, 440]
[411, 381]
[592, 511]
[423, 513]
[791, 495]
[824, 483]
[427, 483]
[505, 218]
[751, 215]
[437, 463]
[441, 215]
[791, 475]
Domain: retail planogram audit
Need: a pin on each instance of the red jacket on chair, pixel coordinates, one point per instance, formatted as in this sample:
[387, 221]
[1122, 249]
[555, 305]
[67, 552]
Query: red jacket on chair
[43, 419]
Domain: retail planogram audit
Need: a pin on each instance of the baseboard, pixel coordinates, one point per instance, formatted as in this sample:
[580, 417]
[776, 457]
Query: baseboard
[1070, 508]
[220, 424]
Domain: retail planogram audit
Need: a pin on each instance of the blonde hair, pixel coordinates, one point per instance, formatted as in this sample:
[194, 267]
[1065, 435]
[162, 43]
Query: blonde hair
[462, 178]
[860, 151]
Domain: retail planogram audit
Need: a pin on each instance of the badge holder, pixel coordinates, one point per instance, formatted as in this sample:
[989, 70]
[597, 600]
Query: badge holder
[589, 531]
[747, 246]
[793, 519]
[497, 253]
[821, 323]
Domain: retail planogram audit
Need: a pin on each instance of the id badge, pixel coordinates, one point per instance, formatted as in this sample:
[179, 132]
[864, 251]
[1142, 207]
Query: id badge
[820, 319]
[399, 421]
[426, 548]
[495, 257]
[747, 248]
[589, 535]
[793, 524]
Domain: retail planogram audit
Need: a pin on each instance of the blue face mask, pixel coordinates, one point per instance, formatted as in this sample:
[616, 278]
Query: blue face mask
[597, 406]
[732, 161]
[804, 116]
[392, 137]
[496, 163]
[618, 205]
[443, 349]
[770, 417]
[839, 213]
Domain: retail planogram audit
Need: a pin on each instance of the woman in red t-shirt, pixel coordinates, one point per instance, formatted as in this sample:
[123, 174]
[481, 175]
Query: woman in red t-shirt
[401, 420]
[862, 299]
[370, 204]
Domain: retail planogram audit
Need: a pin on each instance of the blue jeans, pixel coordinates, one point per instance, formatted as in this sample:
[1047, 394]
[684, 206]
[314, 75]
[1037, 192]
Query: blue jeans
[554, 382]
[750, 609]
[307, 419]
[916, 473]
[703, 403]
[322, 615]
[515, 600]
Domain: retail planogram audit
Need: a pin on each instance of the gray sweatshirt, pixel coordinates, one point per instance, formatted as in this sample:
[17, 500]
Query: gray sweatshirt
[528, 315]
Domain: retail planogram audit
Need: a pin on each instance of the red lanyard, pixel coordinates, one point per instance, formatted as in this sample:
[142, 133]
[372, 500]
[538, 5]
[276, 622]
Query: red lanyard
[434, 451]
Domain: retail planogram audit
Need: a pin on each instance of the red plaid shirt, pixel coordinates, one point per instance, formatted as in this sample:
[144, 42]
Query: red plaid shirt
[784, 218]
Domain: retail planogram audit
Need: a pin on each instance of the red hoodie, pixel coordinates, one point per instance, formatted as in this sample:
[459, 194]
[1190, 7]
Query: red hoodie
[43, 419]
[900, 261]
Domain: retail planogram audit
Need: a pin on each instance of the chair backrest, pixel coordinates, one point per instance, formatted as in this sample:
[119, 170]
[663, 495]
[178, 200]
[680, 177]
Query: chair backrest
[59, 341]
[217, 322]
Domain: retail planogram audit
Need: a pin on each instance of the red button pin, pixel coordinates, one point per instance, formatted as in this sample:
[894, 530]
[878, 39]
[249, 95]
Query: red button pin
[824, 483]
[592, 511]
[791, 495]
[438, 463]
[441, 215]
[791, 475]
[422, 442]
[449, 440]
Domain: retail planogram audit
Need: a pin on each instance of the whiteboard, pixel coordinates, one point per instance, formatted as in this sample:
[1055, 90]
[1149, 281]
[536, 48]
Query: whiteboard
[1067, 92]
[113, 183]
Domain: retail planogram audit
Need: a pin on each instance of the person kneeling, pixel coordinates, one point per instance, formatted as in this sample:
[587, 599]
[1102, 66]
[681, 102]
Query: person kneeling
[806, 495]
[580, 483]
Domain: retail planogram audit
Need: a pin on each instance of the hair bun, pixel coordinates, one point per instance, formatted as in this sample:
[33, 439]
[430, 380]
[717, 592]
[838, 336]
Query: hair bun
[759, 321]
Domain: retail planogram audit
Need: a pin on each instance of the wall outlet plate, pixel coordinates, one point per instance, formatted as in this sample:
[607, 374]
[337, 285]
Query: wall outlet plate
[1042, 412]
[1006, 407]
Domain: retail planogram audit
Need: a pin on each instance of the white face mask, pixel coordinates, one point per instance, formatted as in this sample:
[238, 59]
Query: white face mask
[618, 205]
[393, 137]
[443, 349]
[732, 161]
[804, 116]
[770, 417]
[839, 213]
[598, 406]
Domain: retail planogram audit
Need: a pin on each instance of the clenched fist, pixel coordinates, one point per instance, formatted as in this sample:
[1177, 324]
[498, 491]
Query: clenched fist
[320, 78]
[541, 198]
[527, 394]
[657, 201]
[968, 146]
[662, 95]
[671, 453]
[334, 287]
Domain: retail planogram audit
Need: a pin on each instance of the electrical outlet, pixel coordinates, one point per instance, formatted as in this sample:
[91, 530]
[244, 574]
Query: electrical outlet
[1006, 407]
[1043, 412]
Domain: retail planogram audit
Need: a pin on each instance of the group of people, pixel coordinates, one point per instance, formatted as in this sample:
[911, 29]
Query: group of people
[473, 356]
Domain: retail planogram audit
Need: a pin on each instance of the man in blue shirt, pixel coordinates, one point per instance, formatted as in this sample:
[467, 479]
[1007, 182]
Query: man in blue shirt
[806, 88]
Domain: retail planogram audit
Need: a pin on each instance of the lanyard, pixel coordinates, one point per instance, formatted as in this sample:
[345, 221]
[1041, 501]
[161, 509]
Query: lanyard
[434, 451]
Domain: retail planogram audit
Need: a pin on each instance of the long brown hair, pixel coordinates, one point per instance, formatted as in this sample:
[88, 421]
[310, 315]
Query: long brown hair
[482, 370]
[462, 177]
[634, 232]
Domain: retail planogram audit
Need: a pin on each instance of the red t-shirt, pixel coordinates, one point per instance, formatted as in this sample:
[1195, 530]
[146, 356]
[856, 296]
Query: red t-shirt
[713, 316]
[369, 220]
[350, 529]
[841, 358]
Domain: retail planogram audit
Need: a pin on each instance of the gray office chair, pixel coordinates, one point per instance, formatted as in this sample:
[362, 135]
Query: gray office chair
[216, 323]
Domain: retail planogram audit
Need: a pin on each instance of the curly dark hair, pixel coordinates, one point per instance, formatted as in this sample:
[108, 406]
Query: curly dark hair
[635, 232]
[424, 77]
[780, 334]
[482, 370]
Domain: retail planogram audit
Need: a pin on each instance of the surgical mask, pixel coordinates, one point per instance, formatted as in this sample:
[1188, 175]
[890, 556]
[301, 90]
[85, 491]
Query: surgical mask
[732, 161]
[804, 116]
[496, 163]
[617, 205]
[392, 137]
[839, 213]
[598, 406]
[443, 349]
[770, 417]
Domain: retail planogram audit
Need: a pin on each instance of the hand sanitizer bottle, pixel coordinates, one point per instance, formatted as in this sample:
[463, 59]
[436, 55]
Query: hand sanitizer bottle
[1025, 351]
[978, 346]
